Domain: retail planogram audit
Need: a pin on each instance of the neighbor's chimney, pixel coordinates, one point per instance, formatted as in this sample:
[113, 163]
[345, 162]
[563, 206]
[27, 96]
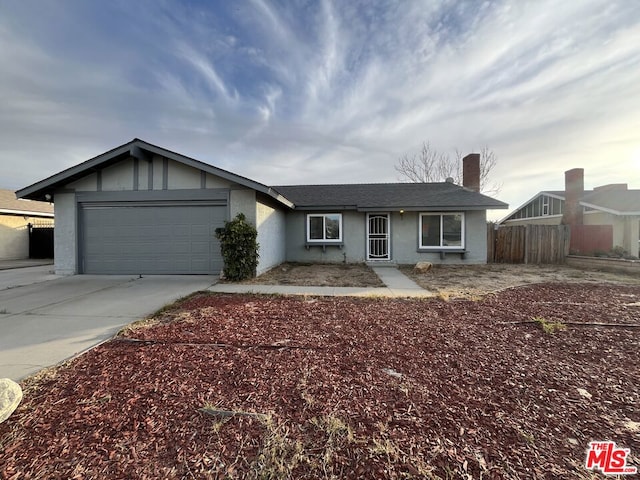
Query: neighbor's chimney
[573, 191]
[471, 172]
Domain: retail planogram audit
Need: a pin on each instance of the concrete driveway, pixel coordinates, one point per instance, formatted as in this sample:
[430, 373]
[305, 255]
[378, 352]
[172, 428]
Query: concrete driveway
[46, 319]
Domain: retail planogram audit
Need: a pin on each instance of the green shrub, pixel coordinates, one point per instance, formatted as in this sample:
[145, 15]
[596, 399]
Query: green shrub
[618, 252]
[548, 326]
[239, 248]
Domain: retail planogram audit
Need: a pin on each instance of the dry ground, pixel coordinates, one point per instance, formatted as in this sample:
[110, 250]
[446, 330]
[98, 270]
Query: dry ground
[468, 281]
[331, 274]
[448, 281]
[343, 388]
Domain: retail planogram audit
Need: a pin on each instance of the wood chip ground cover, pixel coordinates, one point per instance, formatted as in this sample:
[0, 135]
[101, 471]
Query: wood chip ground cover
[346, 388]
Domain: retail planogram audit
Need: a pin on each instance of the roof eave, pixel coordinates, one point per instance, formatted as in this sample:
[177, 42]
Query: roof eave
[38, 190]
[135, 148]
[30, 213]
[432, 208]
[387, 208]
[607, 210]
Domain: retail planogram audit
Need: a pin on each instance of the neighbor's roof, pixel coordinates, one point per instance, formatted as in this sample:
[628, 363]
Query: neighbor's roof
[9, 204]
[616, 201]
[138, 149]
[620, 202]
[382, 196]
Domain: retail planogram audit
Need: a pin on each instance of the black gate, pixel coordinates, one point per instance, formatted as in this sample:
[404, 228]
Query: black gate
[41, 240]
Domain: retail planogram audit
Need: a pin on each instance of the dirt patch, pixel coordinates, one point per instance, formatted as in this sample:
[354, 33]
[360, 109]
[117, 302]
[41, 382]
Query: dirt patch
[343, 388]
[318, 274]
[469, 281]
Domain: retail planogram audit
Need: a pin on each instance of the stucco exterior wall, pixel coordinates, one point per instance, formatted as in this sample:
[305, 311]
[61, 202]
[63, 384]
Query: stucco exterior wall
[271, 226]
[353, 250]
[182, 176]
[143, 175]
[243, 201]
[14, 235]
[404, 240]
[403, 235]
[158, 172]
[65, 237]
[118, 177]
[85, 184]
[211, 181]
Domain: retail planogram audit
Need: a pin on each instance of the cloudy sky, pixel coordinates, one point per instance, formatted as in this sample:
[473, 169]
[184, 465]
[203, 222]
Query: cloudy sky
[325, 92]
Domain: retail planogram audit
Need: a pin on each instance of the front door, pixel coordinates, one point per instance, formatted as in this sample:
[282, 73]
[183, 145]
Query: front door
[378, 236]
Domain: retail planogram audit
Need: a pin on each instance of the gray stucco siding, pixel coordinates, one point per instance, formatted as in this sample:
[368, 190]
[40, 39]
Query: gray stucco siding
[353, 239]
[65, 234]
[118, 177]
[182, 176]
[212, 181]
[243, 201]
[271, 227]
[88, 183]
[404, 231]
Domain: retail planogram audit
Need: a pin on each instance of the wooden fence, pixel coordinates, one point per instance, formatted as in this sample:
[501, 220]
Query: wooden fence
[528, 244]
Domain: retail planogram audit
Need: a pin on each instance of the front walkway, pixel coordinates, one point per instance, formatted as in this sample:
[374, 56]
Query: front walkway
[397, 285]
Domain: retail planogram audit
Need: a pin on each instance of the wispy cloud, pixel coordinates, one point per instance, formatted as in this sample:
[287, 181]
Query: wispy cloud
[325, 91]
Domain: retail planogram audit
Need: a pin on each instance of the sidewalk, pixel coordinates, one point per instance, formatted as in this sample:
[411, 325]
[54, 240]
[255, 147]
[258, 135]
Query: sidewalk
[27, 262]
[397, 285]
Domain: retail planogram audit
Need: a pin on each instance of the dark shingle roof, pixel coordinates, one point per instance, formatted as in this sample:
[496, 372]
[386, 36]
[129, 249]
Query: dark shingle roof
[372, 196]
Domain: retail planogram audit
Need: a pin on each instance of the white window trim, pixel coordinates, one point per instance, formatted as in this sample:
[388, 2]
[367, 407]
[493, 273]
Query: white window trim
[546, 205]
[441, 247]
[324, 228]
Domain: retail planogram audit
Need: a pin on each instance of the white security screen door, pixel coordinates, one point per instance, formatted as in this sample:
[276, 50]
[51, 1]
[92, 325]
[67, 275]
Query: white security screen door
[378, 236]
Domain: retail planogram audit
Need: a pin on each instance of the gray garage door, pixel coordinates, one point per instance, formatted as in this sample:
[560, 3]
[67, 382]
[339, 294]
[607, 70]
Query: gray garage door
[150, 239]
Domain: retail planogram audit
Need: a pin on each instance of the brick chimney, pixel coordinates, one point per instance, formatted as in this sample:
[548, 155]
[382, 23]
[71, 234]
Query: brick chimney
[471, 172]
[573, 191]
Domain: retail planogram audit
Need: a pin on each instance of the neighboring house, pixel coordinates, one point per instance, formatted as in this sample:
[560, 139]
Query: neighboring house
[143, 209]
[613, 204]
[15, 217]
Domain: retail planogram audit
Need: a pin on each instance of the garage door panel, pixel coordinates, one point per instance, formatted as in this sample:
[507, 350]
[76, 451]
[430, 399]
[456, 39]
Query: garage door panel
[151, 239]
[199, 248]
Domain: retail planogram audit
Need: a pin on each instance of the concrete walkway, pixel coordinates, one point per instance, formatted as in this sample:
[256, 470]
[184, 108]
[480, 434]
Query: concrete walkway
[397, 285]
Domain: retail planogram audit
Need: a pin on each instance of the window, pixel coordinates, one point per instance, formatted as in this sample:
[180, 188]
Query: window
[442, 230]
[324, 227]
[545, 205]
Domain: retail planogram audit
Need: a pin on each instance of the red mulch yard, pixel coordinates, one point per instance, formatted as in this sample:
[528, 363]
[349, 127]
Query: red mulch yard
[344, 388]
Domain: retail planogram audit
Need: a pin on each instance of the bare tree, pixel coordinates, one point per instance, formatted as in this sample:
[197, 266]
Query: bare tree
[429, 165]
